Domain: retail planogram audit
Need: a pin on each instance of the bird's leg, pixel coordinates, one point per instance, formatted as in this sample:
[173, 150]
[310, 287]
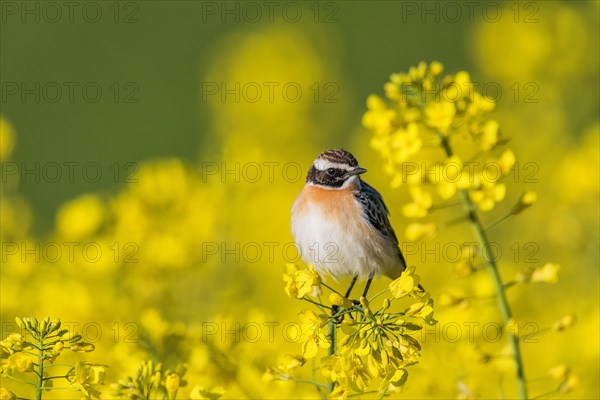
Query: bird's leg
[351, 286]
[368, 284]
[334, 308]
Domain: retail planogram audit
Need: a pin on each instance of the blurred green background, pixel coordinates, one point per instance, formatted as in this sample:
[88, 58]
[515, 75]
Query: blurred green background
[154, 61]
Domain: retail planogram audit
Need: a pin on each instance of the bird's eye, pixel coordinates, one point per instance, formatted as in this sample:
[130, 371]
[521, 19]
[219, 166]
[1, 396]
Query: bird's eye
[331, 171]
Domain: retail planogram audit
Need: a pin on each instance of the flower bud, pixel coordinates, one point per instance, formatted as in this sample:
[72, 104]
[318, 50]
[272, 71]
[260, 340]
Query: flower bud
[58, 346]
[339, 300]
[386, 304]
[559, 372]
[526, 200]
[172, 383]
[565, 322]
[364, 302]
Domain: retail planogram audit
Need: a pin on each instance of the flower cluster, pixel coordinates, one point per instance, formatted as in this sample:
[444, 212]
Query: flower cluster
[436, 134]
[424, 111]
[365, 344]
[36, 352]
[152, 381]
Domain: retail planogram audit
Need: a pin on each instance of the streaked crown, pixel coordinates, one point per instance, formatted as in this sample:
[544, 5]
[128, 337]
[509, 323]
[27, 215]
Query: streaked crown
[334, 169]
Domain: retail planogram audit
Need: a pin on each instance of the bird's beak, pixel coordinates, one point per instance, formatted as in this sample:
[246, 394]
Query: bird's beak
[357, 171]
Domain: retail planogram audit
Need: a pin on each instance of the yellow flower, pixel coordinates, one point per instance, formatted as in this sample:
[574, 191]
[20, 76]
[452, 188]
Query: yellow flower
[405, 284]
[20, 362]
[6, 394]
[58, 347]
[559, 372]
[506, 161]
[488, 195]
[172, 382]
[339, 300]
[418, 231]
[86, 376]
[547, 273]
[569, 384]
[311, 325]
[489, 135]
[7, 139]
[565, 322]
[406, 142]
[301, 281]
[436, 68]
[378, 117]
[420, 205]
[422, 309]
[80, 217]
[439, 115]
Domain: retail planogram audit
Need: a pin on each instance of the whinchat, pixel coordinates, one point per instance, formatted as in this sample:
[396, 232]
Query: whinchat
[338, 209]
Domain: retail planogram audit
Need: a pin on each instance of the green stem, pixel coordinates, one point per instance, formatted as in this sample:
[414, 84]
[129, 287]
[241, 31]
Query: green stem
[501, 220]
[316, 304]
[493, 267]
[40, 383]
[331, 350]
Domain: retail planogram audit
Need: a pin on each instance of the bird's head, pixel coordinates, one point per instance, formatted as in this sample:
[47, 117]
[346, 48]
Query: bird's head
[335, 169]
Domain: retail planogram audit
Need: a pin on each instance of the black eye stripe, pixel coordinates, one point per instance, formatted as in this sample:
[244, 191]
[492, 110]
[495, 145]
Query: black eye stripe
[333, 172]
[322, 177]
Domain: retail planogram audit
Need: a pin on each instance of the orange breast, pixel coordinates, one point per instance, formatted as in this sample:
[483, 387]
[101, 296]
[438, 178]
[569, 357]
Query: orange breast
[338, 205]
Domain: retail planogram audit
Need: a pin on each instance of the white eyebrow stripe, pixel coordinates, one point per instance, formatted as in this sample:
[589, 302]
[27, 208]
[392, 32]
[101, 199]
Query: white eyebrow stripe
[322, 165]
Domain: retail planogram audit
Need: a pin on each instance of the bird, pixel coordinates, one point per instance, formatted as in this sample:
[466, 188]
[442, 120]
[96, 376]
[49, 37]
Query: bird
[341, 225]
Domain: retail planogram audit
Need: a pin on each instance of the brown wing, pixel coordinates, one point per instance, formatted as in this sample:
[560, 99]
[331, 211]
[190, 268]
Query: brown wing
[376, 213]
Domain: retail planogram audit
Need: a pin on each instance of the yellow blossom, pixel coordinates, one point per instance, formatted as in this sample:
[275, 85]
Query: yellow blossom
[86, 377]
[406, 142]
[405, 284]
[506, 161]
[420, 205]
[7, 139]
[439, 115]
[172, 382]
[80, 217]
[422, 309]
[58, 347]
[565, 322]
[419, 231]
[314, 337]
[489, 135]
[339, 300]
[488, 195]
[20, 362]
[559, 372]
[6, 394]
[547, 273]
[301, 281]
[569, 384]
[436, 68]
[378, 117]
